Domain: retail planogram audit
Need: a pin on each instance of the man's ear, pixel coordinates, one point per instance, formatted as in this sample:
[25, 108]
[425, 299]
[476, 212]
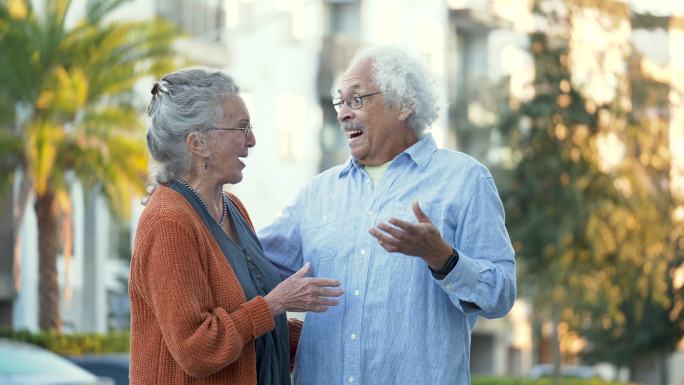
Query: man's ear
[197, 145]
[404, 113]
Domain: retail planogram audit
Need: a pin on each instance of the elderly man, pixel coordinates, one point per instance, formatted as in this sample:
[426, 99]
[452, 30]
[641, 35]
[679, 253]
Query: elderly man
[415, 234]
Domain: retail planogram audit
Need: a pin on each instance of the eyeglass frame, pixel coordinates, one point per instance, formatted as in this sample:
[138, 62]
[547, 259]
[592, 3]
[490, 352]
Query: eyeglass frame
[245, 130]
[338, 102]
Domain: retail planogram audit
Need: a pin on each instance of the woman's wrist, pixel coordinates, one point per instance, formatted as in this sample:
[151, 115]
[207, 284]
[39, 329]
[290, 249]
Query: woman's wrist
[274, 305]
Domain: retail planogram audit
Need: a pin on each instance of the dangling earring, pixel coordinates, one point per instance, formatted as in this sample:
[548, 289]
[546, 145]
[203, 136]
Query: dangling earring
[206, 163]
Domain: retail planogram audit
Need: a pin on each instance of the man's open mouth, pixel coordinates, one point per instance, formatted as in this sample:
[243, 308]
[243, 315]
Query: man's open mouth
[351, 134]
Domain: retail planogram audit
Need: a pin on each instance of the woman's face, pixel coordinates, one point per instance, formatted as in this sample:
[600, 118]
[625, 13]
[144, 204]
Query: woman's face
[228, 146]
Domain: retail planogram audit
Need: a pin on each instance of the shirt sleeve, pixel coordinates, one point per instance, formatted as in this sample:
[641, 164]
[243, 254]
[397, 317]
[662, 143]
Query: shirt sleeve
[201, 337]
[483, 280]
[282, 240]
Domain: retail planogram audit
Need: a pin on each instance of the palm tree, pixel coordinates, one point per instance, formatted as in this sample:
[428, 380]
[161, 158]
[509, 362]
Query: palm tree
[68, 110]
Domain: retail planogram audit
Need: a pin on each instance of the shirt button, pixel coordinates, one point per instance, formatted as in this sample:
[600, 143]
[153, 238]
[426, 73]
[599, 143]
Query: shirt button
[449, 286]
[363, 251]
[325, 217]
[249, 257]
[370, 212]
[356, 293]
[351, 379]
[353, 336]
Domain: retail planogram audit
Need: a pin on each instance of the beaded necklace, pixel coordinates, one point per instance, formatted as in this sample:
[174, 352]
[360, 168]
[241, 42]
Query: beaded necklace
[224, 213]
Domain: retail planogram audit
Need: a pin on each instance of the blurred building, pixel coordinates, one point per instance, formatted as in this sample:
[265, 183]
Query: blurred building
[285, 56]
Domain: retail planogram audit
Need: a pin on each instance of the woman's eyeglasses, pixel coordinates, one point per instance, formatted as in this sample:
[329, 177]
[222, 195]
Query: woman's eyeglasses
[245, 130]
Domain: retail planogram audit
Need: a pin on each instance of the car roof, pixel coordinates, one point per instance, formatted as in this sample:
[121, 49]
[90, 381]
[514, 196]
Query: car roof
[20, 360]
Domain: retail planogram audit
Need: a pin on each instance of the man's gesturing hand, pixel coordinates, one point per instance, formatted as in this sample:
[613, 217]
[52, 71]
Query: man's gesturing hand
[302, 293]
[421, 239]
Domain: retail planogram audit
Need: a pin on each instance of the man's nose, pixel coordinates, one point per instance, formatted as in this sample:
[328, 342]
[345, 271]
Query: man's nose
[345, 113]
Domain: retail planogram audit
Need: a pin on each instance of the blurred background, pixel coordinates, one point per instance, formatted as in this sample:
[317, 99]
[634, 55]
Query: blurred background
[577, 107]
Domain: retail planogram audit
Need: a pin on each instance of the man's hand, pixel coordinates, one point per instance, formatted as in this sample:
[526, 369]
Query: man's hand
[421, 239]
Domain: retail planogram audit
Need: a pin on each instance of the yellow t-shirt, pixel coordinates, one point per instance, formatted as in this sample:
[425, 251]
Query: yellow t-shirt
[376, 172]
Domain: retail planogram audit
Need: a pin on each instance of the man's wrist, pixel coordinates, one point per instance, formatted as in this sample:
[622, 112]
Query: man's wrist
[449, 265]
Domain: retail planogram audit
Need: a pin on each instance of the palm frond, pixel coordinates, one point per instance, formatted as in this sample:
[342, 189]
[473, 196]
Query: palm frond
[96, 10]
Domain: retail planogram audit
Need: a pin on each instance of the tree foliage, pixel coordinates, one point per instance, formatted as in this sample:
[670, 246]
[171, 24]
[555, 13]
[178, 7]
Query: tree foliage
[69, 110]
[595, 239]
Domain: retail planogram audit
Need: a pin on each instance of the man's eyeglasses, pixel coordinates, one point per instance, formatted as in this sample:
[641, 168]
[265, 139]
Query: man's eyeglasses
[245, 130]
[354, 102]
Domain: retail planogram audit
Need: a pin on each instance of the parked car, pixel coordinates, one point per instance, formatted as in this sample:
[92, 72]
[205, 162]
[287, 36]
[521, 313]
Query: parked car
[24, 364]
[574, 371]
[112, 366]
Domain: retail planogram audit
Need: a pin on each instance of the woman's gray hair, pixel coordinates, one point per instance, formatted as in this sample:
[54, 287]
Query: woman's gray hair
[182, 102]
[405, 83]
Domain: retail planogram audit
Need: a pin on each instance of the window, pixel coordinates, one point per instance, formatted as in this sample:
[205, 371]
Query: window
[198, 18]
[291, 126]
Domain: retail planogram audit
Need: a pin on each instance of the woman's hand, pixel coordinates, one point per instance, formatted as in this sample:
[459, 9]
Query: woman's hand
[302, 293]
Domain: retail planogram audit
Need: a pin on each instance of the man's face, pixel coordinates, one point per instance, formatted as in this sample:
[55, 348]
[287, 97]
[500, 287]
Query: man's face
[375, 132]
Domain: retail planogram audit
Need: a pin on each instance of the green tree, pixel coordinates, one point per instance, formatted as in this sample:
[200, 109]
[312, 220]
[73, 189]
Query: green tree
[68, 110]
[637, 233]
[596, 244]
[555, 184]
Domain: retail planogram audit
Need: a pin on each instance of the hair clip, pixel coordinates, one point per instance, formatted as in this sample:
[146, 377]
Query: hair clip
[159, 87]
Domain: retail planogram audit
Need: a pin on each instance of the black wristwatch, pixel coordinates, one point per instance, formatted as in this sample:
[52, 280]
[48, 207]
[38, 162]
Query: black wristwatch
[449, 265]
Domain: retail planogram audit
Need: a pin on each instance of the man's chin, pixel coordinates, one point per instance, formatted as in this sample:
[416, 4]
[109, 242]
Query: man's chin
[358, 156]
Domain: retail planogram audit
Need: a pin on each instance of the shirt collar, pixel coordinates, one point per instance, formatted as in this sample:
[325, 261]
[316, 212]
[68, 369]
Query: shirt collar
[420, 153]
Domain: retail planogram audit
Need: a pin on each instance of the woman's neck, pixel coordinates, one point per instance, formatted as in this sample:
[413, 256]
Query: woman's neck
[210, 192]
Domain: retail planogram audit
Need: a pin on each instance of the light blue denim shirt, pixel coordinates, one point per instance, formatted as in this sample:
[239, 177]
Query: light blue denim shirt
[396, 324]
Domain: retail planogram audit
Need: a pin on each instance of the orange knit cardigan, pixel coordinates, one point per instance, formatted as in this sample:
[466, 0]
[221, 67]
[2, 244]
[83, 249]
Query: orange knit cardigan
[190, 320]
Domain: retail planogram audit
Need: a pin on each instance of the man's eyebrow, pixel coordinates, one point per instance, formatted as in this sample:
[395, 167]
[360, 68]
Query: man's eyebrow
[354, 87]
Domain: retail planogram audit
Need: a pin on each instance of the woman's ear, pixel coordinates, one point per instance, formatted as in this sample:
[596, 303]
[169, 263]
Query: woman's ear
[197, 144]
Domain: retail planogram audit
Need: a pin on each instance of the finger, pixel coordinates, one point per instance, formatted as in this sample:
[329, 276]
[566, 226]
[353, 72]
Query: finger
[324, 282]
[380, 236]
[385, 240]
[303, 271]
[420, 215]
[393, 231]
[319, 309]
[406, 226]
[330, 292]
[388, 247]
[326, 302]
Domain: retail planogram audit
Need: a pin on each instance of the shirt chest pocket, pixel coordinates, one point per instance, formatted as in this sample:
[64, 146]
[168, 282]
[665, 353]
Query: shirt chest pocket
[403, 210]
[322, 233]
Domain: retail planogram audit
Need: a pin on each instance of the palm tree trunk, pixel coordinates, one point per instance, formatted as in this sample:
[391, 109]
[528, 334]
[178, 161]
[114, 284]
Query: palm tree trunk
[48, 246]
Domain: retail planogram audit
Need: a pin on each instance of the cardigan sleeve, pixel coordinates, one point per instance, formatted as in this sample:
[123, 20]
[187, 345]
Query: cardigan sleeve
[201, 337]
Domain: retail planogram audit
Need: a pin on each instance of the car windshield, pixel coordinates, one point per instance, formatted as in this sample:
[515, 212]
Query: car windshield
[18, 360]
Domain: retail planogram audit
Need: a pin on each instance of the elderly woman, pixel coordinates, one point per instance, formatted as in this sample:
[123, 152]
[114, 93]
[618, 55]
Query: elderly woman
[206, 306]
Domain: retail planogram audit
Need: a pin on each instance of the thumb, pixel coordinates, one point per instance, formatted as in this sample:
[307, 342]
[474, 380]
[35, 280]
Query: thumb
[304, 271]
[420, 215]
